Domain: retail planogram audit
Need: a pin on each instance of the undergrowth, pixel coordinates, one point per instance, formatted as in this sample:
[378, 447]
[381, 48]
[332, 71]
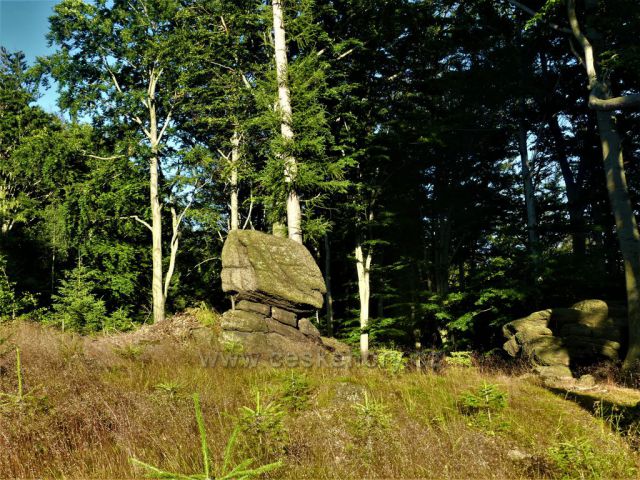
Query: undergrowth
[105, 408]
[225, 471]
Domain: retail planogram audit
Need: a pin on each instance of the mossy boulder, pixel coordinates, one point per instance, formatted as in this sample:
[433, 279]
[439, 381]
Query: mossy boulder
[561, 337]
[271, 270]
[535, 321]
[547, 350]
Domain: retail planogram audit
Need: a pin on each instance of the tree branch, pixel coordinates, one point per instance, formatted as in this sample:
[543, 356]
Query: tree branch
[589, 60]
[628, 102]
[113, 157]
[533, 13]
[116, 84]
[246, 82]
[248, 219]
[631, 101]
[113, 77]
[576, 53]
[210, 259]
[164, 125]
[138, 219]
[348, 52]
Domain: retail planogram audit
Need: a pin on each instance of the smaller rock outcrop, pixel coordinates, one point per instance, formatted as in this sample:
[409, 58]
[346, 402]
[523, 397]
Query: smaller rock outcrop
[556, 339]
[276, 285]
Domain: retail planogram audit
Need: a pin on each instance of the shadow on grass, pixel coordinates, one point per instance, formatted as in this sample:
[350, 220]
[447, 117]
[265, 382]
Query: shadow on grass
[621, 414]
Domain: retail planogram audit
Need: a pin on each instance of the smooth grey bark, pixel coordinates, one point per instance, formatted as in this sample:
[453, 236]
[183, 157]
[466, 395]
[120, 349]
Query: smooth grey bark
[626, 227]
[363, 268]
[154, 135]
[157, 291]
[600, 99]
[233, 180]
[294, 212]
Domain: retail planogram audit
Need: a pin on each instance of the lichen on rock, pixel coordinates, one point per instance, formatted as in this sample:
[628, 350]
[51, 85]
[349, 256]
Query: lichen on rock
[268, 269]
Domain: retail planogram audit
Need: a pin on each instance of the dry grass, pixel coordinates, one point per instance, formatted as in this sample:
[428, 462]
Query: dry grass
[99, 404]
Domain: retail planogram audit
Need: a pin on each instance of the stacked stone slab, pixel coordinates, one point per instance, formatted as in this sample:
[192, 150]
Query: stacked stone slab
[276, 286]
[556, 339]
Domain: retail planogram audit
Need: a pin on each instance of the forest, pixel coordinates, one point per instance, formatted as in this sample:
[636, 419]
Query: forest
[451, 166]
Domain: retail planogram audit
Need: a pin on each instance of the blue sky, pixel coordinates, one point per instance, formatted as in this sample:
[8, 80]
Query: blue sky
[23, 26]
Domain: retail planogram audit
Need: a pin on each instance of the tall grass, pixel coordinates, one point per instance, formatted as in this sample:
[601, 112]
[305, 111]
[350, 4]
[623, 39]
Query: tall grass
[104, 409]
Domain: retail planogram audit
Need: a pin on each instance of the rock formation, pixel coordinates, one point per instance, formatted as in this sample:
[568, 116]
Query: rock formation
[276, 286]
[556, 339]
[272, 270]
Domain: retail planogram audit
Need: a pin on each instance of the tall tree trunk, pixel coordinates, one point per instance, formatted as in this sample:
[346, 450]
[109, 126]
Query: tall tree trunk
[575, 204]
[294, 213]
[626, 226]
[327, 281]
[442, 262]
[235, 159]
[154, 136]
[529, 195]
[157, 291]
[363, 267]
[156, 237]
[600, 99]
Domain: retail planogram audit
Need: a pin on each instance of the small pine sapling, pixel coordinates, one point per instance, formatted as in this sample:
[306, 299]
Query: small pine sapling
[296, 390]
[19, 399]
[241, 471]
[484, 404]
[263, 428]
[371, 417]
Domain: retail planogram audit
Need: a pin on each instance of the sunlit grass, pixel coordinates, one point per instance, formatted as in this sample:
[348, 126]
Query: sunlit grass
[105, 408]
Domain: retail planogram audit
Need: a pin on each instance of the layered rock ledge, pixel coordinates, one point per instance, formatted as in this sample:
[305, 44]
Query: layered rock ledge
[276, 287]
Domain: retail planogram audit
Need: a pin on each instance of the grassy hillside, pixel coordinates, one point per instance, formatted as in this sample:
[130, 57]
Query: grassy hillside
[89, 405]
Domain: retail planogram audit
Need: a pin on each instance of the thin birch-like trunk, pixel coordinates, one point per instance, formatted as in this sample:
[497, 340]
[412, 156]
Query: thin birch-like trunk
[173, 252]
[235, 159]
[154, 135]
[157, 291]
[294, 213]
[573, 190]
[363, 267]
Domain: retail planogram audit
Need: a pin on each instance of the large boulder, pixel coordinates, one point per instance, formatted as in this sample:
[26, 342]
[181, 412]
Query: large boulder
[562, 337]
[271, 270]
[273, 281]
[547, 350]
